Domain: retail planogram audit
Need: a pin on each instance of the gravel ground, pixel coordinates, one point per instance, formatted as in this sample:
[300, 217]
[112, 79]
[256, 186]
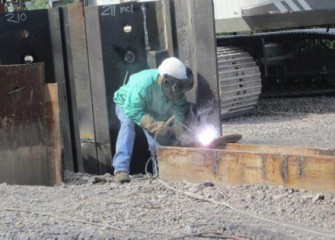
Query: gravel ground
[95, 207]
[288, 122]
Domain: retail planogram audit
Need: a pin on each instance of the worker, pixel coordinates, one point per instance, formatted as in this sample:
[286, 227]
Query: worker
[151, 99]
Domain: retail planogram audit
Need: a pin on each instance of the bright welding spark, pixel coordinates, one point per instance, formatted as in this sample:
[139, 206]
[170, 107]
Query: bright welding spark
[207, 135]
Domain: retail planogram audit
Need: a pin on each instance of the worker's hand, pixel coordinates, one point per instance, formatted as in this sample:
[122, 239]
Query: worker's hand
[156, 127]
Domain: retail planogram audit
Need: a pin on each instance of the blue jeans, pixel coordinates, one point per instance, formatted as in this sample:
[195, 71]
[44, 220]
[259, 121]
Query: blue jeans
[125, 142]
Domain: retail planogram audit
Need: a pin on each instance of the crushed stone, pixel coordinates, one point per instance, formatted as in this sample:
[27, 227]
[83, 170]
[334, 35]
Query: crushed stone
[95, 207]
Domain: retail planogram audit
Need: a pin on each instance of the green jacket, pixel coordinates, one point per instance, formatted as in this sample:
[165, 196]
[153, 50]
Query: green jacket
[143, 95]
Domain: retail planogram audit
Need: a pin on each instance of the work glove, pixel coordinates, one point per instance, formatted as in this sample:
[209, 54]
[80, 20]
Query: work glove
[156, 127]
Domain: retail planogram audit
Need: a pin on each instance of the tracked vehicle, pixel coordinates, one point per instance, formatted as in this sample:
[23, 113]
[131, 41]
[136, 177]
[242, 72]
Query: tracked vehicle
[265, 48]
[273, 48]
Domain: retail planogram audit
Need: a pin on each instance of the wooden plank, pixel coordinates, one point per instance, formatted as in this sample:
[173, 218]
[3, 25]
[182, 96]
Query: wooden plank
[279, 149]
[311, 172]
[196, 45]
[29, 127]
[79, 86]
[51, 109]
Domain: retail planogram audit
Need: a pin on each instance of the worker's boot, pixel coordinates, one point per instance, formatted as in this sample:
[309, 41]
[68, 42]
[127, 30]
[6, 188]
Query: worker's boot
[121, 177]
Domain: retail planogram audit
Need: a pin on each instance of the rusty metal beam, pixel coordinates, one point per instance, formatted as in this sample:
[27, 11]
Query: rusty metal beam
[80, 88]
[291, 167]
[98, 92]
[60, 78]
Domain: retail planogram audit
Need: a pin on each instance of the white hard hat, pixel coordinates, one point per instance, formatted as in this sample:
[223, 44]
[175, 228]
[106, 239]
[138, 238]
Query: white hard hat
[173, 67]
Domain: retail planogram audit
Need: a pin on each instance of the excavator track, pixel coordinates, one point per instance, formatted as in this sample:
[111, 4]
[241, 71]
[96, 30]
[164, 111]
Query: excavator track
[301, 82]
[240, 81]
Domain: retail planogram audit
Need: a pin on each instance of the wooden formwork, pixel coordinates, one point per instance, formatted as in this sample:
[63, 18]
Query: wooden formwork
[292, 167]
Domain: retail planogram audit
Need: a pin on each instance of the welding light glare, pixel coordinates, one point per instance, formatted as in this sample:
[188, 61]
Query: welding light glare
[207, 135]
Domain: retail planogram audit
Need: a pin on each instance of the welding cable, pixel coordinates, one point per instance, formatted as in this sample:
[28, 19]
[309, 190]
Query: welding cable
[154, 159]
[154, 162]
[148, 175]
[101, 225]
[154, 168]
[146, 168]
[202, 198]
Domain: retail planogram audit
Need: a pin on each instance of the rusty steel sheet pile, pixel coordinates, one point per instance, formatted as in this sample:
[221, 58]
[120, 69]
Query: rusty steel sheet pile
[36, 37]
[292, 167]
[29, 127]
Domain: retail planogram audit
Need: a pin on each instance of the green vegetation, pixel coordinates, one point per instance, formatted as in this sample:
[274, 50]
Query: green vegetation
[44, 4]
[318, 44]
[63, 3]
[39, 4]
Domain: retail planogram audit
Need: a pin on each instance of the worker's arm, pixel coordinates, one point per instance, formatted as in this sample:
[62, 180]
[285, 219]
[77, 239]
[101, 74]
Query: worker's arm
[134, 106]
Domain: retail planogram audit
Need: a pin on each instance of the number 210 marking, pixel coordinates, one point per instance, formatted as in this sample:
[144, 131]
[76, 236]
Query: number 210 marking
[16, 18]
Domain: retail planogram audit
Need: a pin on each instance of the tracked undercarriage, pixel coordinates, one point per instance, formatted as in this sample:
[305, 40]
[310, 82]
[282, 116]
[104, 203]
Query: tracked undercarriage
[279, 64]
[239, 81]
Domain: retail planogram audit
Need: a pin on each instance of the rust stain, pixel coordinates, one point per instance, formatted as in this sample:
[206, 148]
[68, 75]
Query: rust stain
[24, 131]
[284, 167]
[216, 158]
[264, 168]
[301, 166]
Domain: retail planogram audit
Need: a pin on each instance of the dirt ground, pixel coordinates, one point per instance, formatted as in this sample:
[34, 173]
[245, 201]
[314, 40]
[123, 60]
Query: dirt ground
[95, 207]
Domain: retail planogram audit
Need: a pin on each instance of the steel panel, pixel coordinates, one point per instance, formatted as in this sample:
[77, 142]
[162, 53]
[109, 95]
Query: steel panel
[37, 33]
[108, 46]
[29, 143]
[79, 86]
[61, 79]
[26, 32]
[116, 43]
[21, 94]
[98, 88]
[196, 46]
